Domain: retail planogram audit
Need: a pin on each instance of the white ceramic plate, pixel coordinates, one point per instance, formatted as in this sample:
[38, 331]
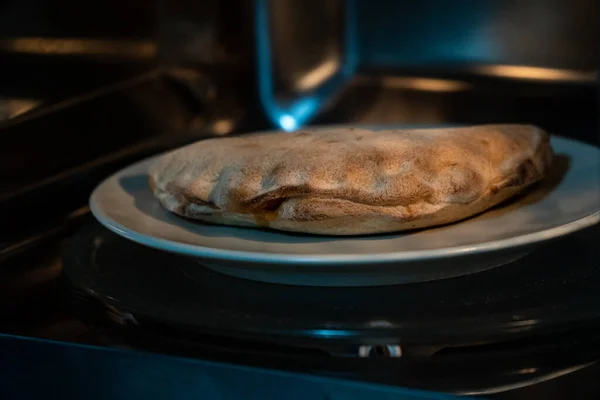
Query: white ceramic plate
[567, 201]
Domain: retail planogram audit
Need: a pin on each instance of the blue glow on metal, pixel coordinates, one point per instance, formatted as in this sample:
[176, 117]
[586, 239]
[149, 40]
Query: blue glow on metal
[287, 123]
[331, 333]
[295, 114]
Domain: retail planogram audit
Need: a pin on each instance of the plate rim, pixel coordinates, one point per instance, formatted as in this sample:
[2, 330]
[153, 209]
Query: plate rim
[349, 258]
[242, 256]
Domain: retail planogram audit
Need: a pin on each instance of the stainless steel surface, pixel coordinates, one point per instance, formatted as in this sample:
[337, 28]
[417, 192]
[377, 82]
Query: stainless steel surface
[307, 42]
[305, 51]
[296, 55]
[539, 33]
[414, 46]
[76, 371]
[310, 35]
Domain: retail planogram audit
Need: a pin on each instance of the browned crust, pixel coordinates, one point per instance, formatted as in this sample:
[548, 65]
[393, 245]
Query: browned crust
[432, 192]
[152, 183]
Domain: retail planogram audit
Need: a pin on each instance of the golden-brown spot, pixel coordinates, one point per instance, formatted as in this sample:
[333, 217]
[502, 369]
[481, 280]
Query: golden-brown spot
[151, 183]
[268, 211]
[263, 219]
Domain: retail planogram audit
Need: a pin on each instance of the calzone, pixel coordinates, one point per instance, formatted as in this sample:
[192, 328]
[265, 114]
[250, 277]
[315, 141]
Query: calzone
[351, 181]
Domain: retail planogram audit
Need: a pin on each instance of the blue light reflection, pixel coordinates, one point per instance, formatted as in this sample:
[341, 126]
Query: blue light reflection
[331, 333]
[292, 115]
[287, 123]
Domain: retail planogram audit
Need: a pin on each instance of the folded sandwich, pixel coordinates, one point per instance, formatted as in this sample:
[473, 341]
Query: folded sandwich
[350, 181]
